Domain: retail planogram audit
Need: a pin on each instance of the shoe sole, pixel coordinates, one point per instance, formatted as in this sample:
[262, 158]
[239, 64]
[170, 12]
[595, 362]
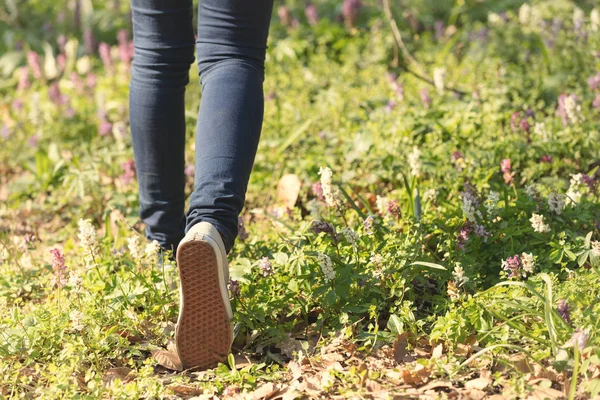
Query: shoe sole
[204, 333]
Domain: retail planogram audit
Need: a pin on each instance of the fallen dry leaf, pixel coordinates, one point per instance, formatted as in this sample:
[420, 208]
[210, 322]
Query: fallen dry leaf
[182, 390]
[123, 373]
[463, 350]
[545, 393]
[266, 391]
[242, 361]
[478, 383]
[474, 394]
[520, 362]
[168, 359]
[288, 189]
[295, 368]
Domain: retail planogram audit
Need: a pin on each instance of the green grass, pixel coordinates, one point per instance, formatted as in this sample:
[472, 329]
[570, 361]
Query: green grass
[420, 266]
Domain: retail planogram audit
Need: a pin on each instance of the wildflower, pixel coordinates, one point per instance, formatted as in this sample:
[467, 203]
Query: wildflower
[580, 338]
[531, 191]
[481, 231]
[376, 259]
[242, 233]
[368, 225]
[463, 235]
[23, 78]
[429, 195]
[525, 14]
[538, 224]
[33, 141]
[125, 47]
[440, 29]
[91, 81]
[595, 20]
[135, 248]
[595, 247]
[326, 266]
[330, 192]
[75, 280]
[265, 266]
[572, 109]
[469, 206]
[590, 182]
[234, 287]
[556, 202]
[350, 236]
[128, 168]
[87, 236]
[513, 266]
[394, 208]
[151, 251]
[350, 10]
[312, 15]
[391, 105]
[414, 160]
[4, 132]
[594, 81]
[459, 275]
[382, 204]
[317, 190]
[58, 267]
[105, 128]
[539, 129]
[323, 226]
[507, 173]
[285, 16]
[439, 76]
[33, 60]
[528, 262]
[453, 291]
[190, 170]
[564, 310]
[546, 158]
[491, 203]
[574, 193]
[568, 109]
[76, 317]
[425, 98]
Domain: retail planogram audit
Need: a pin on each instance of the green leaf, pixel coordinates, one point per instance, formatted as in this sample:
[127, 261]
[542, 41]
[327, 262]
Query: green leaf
[429, 265]
[395, 325]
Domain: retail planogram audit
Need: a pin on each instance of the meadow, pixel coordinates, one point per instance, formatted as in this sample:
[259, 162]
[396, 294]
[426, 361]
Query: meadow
[422, 221]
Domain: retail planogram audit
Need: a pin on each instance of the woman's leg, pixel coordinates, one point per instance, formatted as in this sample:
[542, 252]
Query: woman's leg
[163, 38]
[231, 45]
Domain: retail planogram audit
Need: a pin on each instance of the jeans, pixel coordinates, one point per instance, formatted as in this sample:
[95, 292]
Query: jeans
[231, 45]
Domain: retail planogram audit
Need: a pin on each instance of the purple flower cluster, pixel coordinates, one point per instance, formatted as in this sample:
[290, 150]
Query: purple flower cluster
[513, 266]
[350, 11]
[545, 158]
[312, 16]
[594, 81]
[128, 168]
[564, 310]
[265, 266]
[58, 267]
[397, 87]
[590, 182]
[507, 173]
[394, 208]
[317, 190]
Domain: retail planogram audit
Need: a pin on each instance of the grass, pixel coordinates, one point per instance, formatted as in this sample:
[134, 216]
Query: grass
[399, 238]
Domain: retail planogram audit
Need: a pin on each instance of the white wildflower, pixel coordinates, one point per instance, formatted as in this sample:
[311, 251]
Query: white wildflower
[439, 77]
[578, 16]
[540, 130]
[531, 191]
[495, 19]
[414, 160]
[74, 280]
[326, 267]
[538, 223]
[491, 203]
[135, 248]
[382, 204]
[76, 317]
[152, 250]
[430, 195]
[3, 253]
[377, 261]
[459, 275]
[525, 14]
[595, 20]
[528, 262]
[351, 236]
[330, 192]
[574, 193]
[572, 109]
[87, 236]
[556, 202]
[469, 206]
[595, 246]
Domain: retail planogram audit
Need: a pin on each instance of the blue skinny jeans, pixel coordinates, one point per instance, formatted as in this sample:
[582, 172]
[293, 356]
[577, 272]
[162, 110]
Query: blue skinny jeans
[230, 46]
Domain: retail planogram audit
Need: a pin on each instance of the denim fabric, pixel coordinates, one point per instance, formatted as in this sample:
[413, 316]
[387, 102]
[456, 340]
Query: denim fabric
[231, 45]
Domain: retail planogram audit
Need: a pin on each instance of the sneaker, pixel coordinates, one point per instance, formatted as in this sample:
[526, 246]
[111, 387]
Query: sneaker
[204, 333]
